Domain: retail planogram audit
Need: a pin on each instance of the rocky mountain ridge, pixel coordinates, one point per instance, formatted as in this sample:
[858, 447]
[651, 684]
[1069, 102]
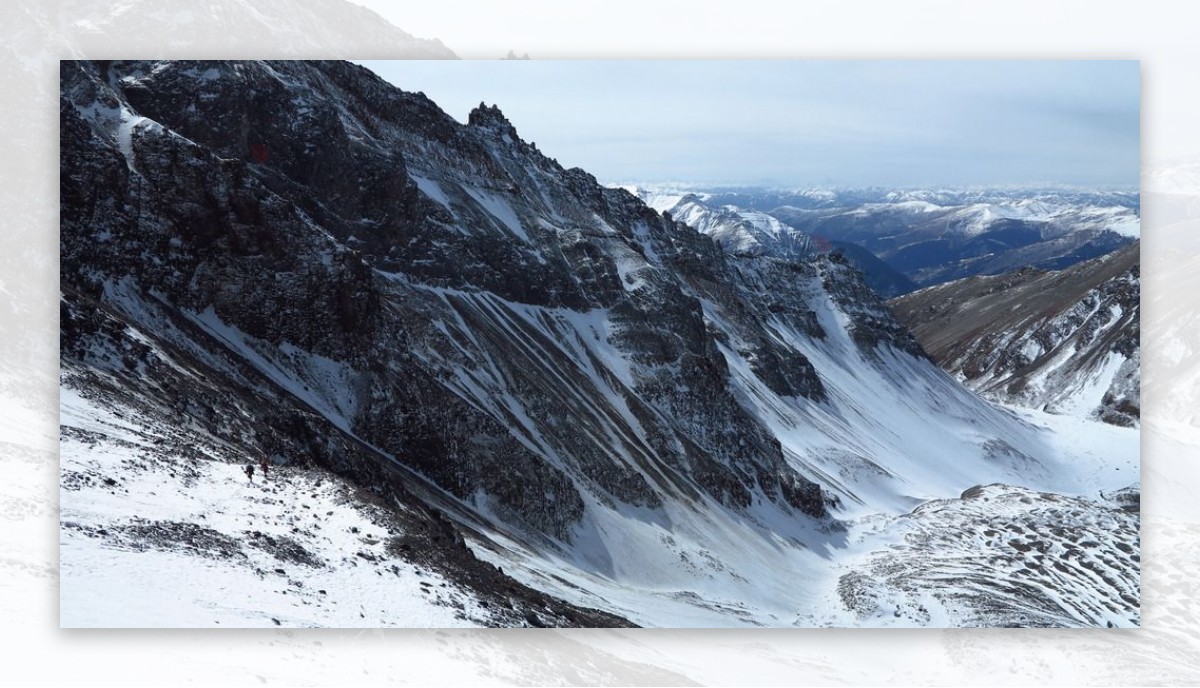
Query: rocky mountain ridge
[1065, 341]
[299, 261]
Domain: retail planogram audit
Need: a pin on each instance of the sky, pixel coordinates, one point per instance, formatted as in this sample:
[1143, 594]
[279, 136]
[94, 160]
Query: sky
[809, 122]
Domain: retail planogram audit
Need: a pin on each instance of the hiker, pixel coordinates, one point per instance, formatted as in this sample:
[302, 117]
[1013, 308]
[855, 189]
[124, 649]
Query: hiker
[262, 465]
[250, 472]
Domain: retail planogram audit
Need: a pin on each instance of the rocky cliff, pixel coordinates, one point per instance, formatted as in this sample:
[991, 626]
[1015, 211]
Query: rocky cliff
[300, 262]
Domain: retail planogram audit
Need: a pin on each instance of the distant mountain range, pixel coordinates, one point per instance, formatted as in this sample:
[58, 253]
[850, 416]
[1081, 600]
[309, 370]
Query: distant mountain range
[752, 232]
[928, 236]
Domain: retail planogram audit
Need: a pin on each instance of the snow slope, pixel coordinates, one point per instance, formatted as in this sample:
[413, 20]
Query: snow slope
[519, 365]
[299, 548]
[294, 549]
[995, 555]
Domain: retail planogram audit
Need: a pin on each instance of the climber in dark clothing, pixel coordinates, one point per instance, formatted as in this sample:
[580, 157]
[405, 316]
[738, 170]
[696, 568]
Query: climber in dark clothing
[250, 472]
[262, 465]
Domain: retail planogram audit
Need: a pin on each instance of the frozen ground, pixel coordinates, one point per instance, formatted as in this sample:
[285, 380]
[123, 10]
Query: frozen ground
[306, 549]
[995, 555]
[303, 548]
[151, 538]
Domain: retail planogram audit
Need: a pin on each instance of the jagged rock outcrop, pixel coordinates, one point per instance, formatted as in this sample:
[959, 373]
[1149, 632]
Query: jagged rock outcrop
[879, 276]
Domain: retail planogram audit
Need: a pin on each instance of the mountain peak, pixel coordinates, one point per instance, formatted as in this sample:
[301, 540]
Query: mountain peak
[490, 117]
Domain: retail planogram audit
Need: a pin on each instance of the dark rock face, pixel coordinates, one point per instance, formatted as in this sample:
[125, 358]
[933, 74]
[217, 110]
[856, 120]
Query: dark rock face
[400, 287]
[879, 276]
[871, 323]
[1037, 337]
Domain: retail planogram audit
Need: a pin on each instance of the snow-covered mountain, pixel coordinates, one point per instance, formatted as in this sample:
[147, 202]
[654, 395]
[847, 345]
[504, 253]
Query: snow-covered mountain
[1065, 341]
[903, 239]
[582, 410]
[738, 231]
[754, 233]
[934, 237]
